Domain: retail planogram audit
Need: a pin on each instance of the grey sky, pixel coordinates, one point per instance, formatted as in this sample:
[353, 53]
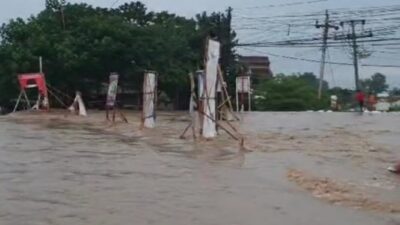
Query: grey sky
[336, 75]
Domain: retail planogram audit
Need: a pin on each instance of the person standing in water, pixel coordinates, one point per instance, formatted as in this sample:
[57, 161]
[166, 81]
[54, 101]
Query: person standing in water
[371, 102]
[360, 96]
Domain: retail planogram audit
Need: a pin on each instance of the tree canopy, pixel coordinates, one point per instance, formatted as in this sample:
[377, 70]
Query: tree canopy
[81, 45]
[290, 93]
[376, 84]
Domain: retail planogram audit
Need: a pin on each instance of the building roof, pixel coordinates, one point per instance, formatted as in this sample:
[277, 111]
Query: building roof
[257, 65]
[255, 59]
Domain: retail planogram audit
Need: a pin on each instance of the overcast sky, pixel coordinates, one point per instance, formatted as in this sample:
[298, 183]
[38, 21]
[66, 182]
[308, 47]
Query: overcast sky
[335, 75]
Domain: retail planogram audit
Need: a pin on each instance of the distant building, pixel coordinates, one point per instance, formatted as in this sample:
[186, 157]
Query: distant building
[259, 67]
[387, 102]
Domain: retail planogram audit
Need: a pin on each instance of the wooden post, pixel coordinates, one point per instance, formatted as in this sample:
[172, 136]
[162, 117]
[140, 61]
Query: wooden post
[16, 105]
[40, 64]
[237, 101]
[249, 101]
[27, 99]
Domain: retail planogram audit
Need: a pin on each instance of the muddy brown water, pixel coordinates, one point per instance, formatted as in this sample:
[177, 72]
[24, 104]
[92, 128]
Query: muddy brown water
[57, 171]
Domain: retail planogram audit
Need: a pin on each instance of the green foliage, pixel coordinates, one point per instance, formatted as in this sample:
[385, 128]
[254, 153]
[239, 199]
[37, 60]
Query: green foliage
[345, 96]
[376, 84]
[395, 92]
[313, 81]
[288, 93]
[81, 45]
[394, 109]
[55, 5]
[221, 25]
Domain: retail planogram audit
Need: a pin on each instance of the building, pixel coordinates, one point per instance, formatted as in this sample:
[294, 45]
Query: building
[258, 67]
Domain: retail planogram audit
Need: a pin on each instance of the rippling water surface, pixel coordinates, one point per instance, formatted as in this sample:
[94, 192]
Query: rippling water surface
[65, 174]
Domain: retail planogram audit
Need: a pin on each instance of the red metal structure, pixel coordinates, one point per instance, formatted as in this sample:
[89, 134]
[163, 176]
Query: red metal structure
[33, 80]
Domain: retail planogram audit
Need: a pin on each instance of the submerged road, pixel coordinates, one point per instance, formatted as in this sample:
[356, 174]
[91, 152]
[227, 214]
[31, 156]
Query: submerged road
[58, 173]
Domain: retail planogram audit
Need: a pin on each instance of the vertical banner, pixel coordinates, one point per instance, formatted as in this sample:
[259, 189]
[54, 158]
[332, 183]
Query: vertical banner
[243, 84]
[149, 99]
[334, 101]
[200, 83]
[219, 86]
[112, 90]
[209, 123]
[243, 87]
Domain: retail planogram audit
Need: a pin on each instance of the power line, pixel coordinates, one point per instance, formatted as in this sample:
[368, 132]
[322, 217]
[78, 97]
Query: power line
[375, 65]
[297, 58]
[388, 44]
[382, 22]
[283, 5]
[282, 16]
[309, 42]
[340, 13]
[326, 26]
[317, 61]
[115, 2]
[378, 16]
[353, 37]
[312, 42]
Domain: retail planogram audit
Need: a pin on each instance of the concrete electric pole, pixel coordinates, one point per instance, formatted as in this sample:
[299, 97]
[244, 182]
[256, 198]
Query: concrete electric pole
[326, 26]
[353, 36]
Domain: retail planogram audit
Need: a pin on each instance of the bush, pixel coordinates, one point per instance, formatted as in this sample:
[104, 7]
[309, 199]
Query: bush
[395, 108]
[288, 93]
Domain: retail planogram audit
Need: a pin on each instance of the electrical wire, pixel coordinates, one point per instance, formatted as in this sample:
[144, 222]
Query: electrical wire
[318, 61]
[114, 3]
[382, 21]
[282, 5]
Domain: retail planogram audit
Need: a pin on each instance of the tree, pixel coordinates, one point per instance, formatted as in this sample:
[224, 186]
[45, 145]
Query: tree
[313, 81]
[345, 96]
[376, 84]
[93, 42]
[287, 93]
[58, 7]
[221, 25]
[55, 5]
[395, 92]
[135, 13]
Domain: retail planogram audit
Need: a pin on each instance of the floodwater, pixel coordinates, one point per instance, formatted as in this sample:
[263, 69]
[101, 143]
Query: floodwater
[65, 170]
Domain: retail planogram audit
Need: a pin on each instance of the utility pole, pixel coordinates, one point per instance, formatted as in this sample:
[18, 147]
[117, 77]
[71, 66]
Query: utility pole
[326, 26]
[62, 16]
[355, 53]
[353, 37]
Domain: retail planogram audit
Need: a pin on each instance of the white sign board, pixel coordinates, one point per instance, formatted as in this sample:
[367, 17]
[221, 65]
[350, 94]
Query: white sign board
[213, 54]
[200, 82]
[149, 96]
[112, 90]
[243, 84]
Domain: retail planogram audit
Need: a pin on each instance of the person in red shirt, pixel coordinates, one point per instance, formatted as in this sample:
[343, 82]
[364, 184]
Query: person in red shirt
[360, 96]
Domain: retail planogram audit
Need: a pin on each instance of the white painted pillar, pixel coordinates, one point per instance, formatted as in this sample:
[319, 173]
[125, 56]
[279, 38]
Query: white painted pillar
[149, 98]
[209, 123]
